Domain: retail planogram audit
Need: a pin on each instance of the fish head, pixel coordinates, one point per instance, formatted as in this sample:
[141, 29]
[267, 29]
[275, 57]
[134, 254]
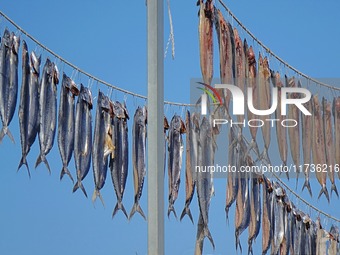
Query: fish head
[24, 47]
[119, 110]
[35, 63]
[15, 43]
[125, 110]
[316, 104]
[86, 96]
[55, 74]
[6, 38]
[166, 124]
[266, 70]
[103, 101]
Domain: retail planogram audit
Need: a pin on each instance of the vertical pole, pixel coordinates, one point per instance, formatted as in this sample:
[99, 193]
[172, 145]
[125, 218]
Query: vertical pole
[155, 15]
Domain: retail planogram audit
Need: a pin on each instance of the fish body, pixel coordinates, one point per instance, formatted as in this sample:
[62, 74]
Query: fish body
[66, 120]
[240, 69]
[307, 126]
[138, 156]
[47, 111]
[318, 147]
[329, 146]
[23, 107]
[294, 132]
[336, 117]
[234, 158]
[255, 211]
[119, 163]
[266, 216]
[175, 160]
[9, 81]
[99, 159]
[279, 226]
[83, 136]
[204, 178]
[205, 30]
[242, 217]
[264, 101]
[189, 178]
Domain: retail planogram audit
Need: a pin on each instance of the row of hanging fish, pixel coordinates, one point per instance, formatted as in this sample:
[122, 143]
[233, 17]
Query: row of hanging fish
[318, 133]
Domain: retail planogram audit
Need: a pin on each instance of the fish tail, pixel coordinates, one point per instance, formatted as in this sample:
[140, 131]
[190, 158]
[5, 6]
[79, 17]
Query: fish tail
[79, 185]
[171, 209]
[227, 212]
[206, 233]
[5, 131]
[250, 246]
[307, 185]
[65, 171]
[324, 191]
[333, 188]
[119, 206]
[96, 193]
[136, 208]
[23, 161]
[42, 158]
[186, 211]
[237, 238]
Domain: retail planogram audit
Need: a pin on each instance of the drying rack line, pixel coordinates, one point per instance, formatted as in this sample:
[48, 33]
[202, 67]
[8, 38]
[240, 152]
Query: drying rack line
[90, 76]
[273, 54]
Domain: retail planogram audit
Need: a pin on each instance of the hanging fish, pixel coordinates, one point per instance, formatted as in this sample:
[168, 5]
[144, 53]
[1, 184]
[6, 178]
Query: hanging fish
[336, 116]
[307, 132]
[294, 132]
[205, 30]
[329, 147]
[266, 215]
[318, 146]
[264, 102]
[119, 163]
[166, 139]
[333, 248]
[234, 159]
[287, 217]
[252, 83]
[47, 111]
[281, 132]
[242, 212]
[138, 156]
[279, 213]
[24, 111]
[66, 122]
[255, 211]
[204, 179]
[83, 136]
[240, 71]
[177, 128]
[99, 160]
[189, 178]
[9, 81]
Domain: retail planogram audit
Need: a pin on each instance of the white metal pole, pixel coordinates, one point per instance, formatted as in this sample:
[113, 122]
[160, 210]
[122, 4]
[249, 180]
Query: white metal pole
[155, 17]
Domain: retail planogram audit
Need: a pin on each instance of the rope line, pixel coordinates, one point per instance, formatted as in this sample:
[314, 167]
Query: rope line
[77, 69]
[273, 54]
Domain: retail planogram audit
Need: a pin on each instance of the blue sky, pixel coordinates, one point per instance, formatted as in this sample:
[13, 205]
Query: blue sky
[108, 39]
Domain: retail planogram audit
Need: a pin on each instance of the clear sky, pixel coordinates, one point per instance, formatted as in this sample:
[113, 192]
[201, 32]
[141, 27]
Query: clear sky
[108, 39]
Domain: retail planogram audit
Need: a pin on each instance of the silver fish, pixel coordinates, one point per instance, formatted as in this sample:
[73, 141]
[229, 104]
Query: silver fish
[242, 212]
[9, 84]
[47, 111]
[119, 164]
[83, 136]
[66, 121]
[177, 128]
[204, 178]
[101, 129]
[255, 211]
[189, 179]
[329, 146]
[138, 156]
[307, 132]
[266, 216]
[279, 227]
[334, 240]
[24, 106]
[234, 159]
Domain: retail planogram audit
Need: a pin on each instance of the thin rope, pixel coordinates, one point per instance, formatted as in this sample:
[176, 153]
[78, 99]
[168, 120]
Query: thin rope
[90, 76]
[272, 53]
